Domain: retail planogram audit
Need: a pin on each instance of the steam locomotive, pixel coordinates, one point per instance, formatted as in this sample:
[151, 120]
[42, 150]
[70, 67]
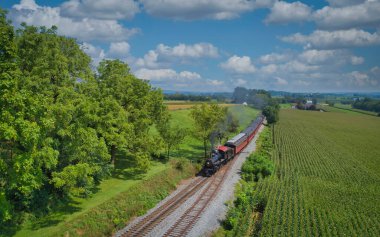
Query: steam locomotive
[222, 154]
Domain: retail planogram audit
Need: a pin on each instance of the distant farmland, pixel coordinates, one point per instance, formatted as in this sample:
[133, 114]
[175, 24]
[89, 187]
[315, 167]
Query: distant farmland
[176, 105]
[327, 176]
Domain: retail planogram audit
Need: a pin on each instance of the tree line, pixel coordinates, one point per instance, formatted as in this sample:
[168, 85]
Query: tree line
[61, 124]
[259, 99]
[367, 104]
[220, 97]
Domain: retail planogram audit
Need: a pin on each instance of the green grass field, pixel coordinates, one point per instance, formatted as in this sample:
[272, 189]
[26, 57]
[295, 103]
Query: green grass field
[350, 109]
[327, 176]
[193, 148]
[342, 108]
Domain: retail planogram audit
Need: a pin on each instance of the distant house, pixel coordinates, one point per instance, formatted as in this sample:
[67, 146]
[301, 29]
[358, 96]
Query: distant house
[308, 105]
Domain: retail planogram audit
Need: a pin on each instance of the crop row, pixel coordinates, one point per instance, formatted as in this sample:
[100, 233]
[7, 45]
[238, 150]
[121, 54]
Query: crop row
[326, 176]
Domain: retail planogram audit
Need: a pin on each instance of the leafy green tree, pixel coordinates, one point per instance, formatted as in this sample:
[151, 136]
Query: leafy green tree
[140, 107]
[240, 95]
[206, 119]
[172, 136]
[59, 123]
[271, 113]
[8, 96]
[24, 150]
[59, 71]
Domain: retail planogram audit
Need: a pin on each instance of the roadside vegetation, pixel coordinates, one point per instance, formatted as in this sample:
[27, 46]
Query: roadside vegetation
[245, 214]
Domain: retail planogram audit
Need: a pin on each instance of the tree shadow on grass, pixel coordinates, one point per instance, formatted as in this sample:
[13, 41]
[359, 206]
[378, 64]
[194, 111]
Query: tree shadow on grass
[193, 153]
[125, 168]
[57, 215]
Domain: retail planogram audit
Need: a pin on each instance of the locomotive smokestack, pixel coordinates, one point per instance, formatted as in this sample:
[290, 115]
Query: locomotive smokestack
[213, 137]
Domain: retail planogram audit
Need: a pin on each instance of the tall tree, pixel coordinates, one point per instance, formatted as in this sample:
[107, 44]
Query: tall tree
[142, 106]
[171, 135]
[206, 118]
[271, 113]
[58, 69]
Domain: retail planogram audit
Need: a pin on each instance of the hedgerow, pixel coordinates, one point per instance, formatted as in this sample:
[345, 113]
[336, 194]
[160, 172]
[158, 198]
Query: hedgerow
[244, 216]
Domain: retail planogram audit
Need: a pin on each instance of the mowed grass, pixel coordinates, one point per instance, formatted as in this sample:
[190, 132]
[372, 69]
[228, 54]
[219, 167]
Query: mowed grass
[327, 176]
[341, 108]
[178, 105]
[349, 108]
[192, 148]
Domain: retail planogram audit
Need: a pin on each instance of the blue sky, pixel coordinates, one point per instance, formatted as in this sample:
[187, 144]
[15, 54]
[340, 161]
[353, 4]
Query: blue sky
[216, 45]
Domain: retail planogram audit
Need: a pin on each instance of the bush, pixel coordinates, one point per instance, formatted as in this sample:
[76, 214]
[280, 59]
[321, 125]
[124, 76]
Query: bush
[240, 220]
[180, 163]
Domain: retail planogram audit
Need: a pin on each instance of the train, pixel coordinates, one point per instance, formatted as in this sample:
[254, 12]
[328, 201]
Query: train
[222, 154]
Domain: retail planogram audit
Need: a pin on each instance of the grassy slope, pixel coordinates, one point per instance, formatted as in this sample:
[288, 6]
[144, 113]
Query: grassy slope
[327, 176]
[125, 178]
[107, 190]
[193, 148]
[350, 109]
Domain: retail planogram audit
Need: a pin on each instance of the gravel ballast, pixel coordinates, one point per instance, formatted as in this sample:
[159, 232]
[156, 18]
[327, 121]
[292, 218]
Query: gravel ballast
[214, 213]
[217, 209]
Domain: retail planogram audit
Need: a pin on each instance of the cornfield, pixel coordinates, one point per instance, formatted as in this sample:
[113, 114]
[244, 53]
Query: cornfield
[327, 176]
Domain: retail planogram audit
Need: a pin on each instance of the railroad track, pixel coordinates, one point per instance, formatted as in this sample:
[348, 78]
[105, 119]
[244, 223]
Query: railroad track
[148, 223]
[184, 224]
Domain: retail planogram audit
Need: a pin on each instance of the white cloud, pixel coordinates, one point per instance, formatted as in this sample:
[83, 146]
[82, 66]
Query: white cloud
[189, 75]
[342, 3]
[100, 9]
[280, 81]
[335, 39]
[201, 9]
[369, 81]
[188, 51]
[274, 58]
[357, 60]
[164, 55]
[156, 74]
[313, 70]
[358, 78]
[149, 60]
[317, 56]
[119, 49]
[165, 74]
[297, 66]
[240, 82]
[116, 50]
[365, 15]
[269, 69]
[238, 64]
[214, 82]
[26, 4]
[284, 12]
[330, 57]
[96, 53]
[86, 29]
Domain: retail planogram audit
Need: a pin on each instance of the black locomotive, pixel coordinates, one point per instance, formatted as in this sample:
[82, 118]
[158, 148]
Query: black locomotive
[222, 154]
